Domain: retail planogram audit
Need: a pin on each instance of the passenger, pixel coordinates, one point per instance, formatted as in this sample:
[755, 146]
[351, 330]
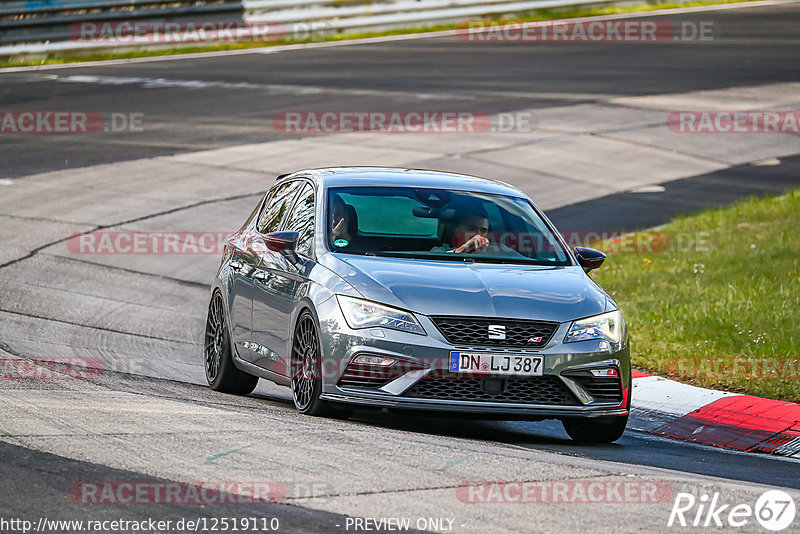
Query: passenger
[344, 223]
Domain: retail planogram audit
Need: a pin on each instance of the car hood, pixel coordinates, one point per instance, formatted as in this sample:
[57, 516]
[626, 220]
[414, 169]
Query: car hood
[473, 289]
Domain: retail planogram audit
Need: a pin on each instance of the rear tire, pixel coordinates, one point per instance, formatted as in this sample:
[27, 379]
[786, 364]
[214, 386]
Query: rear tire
[605, 430]
[221, 373]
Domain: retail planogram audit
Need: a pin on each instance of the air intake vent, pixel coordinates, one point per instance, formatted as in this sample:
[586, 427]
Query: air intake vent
[603, 389]
[546, 389]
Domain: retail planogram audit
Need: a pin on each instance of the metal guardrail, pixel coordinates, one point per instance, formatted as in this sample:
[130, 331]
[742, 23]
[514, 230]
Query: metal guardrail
[47, 26]
[43, 21]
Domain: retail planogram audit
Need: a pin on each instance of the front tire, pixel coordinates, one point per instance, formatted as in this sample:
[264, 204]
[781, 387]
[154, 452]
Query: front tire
[306, 368]
[605, 430]
[307, 372]
[221, 373]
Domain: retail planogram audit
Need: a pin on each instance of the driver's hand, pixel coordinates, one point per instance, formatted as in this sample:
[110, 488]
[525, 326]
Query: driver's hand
[476, 242]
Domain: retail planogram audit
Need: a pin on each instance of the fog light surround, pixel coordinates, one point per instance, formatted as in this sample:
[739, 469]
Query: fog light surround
[369, 359]
[605, 372]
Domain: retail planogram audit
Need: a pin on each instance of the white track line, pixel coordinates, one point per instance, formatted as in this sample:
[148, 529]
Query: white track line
[657, 394]
[382, 39]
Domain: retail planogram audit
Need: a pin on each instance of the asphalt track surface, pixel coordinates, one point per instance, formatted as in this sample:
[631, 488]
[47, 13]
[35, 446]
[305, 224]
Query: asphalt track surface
[751, 47]
[241, 93]
[37, 484]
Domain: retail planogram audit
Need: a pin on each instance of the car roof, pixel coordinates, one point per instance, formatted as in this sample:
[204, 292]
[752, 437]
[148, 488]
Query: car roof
[401, 177]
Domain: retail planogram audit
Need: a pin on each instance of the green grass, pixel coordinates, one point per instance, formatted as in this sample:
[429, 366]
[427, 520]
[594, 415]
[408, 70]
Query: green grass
[75, 57]
[720, 306]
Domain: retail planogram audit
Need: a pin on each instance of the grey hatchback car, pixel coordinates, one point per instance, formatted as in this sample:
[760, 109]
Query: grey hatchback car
[418, 290]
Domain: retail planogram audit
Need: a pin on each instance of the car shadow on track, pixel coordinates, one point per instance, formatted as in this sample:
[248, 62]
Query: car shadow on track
[634, 448]
[547, 433]
[508, 432]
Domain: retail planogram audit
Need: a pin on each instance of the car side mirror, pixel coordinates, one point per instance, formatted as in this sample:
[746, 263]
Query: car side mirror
[589, 258]
[283, 243]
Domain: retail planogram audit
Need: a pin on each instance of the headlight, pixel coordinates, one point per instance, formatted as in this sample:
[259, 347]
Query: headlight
[365, 314]
[609, 326]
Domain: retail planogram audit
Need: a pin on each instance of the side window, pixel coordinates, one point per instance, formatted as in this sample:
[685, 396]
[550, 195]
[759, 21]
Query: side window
[302, 219]
[276, 207]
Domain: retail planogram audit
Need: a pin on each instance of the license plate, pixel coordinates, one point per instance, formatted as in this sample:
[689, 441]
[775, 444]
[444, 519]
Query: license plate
[496, 364]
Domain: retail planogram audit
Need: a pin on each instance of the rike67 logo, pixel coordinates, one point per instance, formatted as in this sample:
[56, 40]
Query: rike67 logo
[774, 510]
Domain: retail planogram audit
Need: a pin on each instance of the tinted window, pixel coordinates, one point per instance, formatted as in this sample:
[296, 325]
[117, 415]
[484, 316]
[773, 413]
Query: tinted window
[372, 210]
[440, 224]
[302, 219]
[276, 207]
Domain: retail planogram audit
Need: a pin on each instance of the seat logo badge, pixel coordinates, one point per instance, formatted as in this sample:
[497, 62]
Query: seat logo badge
[497, 331]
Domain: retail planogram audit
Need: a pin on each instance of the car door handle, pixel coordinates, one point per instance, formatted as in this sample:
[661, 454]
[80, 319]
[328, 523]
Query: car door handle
[235, 265]
[261, 276]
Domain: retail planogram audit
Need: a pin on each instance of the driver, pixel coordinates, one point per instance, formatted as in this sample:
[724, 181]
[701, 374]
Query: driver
[470, 235]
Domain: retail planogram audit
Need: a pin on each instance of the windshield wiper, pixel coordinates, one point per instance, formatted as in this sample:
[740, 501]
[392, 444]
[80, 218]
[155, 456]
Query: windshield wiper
[464, 258]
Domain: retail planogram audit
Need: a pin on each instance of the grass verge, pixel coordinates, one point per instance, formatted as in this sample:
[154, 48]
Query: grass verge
[720, 306]
[539, 15]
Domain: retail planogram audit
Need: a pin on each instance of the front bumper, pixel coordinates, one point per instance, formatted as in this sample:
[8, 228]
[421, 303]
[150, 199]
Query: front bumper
[561, 362]
[480, 408]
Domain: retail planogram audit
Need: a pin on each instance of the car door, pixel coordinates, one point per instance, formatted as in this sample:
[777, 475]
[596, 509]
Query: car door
[277, 289]
[242, 265]
[249, 250]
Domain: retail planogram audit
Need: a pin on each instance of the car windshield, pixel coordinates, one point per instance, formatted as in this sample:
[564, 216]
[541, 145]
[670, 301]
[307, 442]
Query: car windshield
[439, 224]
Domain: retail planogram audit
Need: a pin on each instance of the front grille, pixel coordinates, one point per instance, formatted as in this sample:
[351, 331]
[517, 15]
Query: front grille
[475, 331]
[605, 389]
[533, 390]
